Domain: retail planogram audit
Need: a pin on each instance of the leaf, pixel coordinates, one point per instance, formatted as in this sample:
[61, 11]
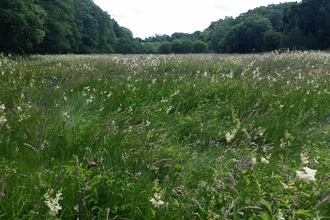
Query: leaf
[202, 183]
[177, 166]
[267, 204]
[264, 216]
[304, 212]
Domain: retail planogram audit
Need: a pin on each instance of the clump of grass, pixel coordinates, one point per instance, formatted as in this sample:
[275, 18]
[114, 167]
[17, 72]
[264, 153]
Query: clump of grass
[159, 137]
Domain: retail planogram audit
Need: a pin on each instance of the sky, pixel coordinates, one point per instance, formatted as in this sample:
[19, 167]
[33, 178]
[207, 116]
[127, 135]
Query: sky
[146, 18]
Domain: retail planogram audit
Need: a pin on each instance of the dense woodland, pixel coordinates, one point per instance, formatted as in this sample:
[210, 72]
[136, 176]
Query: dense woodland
[80, 26]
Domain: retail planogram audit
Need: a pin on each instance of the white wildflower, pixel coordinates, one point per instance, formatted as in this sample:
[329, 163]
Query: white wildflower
[229, 137]
[53, 203]
[280, 215]
[2, 107]
[156, 203]
[307, 176]
[288, 186]
[264, 160]
[2, 120]
[304, 158]
[158, 194]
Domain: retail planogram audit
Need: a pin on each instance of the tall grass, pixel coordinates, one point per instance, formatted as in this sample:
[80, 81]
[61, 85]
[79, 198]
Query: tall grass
[165, 137]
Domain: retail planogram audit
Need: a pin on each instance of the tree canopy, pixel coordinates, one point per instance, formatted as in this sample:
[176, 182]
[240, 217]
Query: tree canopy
[61, 26]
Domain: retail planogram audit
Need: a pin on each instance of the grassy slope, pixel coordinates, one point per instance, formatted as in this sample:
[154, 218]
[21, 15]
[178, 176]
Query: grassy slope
[162, 124]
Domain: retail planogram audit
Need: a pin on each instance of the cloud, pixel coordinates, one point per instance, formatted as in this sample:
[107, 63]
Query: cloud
[138, 12]
[221, 7]
[148, 17]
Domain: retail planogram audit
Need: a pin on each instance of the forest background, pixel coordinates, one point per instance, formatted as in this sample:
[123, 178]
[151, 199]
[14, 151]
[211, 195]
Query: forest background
[82, 27]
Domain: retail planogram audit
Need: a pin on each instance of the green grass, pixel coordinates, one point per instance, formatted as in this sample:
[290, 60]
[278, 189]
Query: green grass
[187, 130]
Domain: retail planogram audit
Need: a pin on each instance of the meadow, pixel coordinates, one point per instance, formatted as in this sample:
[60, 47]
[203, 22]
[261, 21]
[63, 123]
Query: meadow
[165, 137]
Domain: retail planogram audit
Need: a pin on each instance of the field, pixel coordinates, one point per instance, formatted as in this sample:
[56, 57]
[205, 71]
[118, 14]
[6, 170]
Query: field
[165, 137]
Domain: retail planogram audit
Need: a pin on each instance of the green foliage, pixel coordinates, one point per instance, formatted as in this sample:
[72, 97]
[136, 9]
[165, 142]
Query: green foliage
[21, 26]
[73, 26]
[246, 36]
[187, 46]
[176, 46]
[165, 48]
[301, 25]
[199, 47]
[271, 40]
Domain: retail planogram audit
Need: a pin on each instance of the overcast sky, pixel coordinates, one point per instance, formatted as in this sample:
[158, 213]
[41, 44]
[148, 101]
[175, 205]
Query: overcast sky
[146, 18]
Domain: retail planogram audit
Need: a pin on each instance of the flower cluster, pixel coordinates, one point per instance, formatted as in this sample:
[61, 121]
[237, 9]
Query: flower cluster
[307, 176]
[2, 114]
[231, 135]
[158, 194]
[53, 203]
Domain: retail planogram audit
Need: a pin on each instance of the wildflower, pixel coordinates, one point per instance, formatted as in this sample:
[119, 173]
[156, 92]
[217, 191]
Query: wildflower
[280, 215]
[76, 208]
[156, 201]
[307, 176]
[288, 186]
[158, 194]
[53, 203]
[2, 107]
[229, 137]
[73, 127]
[304, 158]
[264, 160]
[2, 120]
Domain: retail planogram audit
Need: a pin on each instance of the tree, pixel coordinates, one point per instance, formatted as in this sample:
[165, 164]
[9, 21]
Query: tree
[21, 26]
[200, 47]
[107, 38]
[151, 47]
[275, 17]
[187, 46]
[294, 38]
[165, 48]
[271, 40]
[216, 32]
[98, 34]
[176, 46]
[253, 30]
[247, 36]
[59, 25]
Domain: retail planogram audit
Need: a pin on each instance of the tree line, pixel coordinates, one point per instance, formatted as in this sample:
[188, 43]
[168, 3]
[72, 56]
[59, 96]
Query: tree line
[304, 26]
[80, 26]
[61, 26]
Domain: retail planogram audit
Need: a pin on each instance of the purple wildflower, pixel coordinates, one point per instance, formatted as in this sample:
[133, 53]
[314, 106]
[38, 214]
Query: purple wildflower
[73, 128]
